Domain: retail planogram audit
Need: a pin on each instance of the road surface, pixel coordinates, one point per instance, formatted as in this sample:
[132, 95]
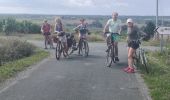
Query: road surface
[76, 78]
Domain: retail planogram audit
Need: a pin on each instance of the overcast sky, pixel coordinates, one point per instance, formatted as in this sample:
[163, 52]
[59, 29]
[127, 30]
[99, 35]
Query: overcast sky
[85, 7]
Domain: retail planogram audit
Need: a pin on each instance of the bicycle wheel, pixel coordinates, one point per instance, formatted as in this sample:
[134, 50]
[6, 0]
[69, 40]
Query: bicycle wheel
[109, 57]
[58, 50]
[80, 47]
[85, 48]
[145, 61]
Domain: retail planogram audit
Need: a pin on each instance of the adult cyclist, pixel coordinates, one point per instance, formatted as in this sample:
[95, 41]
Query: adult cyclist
[114, 27]
[133, 36]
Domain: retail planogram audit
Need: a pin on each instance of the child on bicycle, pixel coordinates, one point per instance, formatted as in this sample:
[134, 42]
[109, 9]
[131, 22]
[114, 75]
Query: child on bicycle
[82, 29]
[58, 29]
[133, 37]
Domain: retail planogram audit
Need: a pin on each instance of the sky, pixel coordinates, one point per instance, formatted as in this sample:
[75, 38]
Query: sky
[85, 7]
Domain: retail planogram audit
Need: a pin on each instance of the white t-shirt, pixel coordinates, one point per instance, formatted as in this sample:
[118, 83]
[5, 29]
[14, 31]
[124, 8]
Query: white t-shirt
[114, 26]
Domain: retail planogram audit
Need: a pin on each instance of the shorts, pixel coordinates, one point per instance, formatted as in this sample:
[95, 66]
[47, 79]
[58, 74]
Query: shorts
[82, 36]
[47, 33]
[133, 44]
[113, 36]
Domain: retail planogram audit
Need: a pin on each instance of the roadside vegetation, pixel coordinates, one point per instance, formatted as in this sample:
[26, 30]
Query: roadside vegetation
[158, 79]
[16, 55]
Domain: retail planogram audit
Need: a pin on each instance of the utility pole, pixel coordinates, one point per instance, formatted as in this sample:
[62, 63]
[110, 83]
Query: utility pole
[156, 36]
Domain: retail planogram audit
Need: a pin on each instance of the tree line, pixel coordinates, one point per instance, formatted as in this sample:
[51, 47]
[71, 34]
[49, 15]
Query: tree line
[11, 25]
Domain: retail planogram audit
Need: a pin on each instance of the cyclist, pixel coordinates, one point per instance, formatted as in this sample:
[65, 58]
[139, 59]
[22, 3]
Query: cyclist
[58, 29]
[82, 29]
[114, 26]
[45, 29]
[133, 37]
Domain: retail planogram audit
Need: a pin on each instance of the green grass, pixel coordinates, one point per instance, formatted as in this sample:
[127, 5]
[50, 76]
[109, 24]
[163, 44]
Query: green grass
[10, 69]
[151, 43]
[158, 80]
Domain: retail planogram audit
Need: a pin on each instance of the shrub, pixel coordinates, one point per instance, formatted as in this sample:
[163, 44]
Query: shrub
[13, 49]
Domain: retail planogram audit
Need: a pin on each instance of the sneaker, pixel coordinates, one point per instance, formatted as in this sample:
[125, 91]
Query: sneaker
[125, 69]
[130, 70]
[116, 59]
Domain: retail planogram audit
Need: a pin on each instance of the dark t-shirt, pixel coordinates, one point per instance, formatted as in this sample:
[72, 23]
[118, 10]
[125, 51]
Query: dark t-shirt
[82, 28]
[133, 34]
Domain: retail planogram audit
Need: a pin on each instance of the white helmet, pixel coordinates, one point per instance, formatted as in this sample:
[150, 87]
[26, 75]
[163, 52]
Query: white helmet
[129, 20]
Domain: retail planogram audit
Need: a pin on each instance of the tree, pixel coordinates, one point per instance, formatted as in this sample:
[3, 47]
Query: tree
[10, 26]
[1, 26]
[149, 30]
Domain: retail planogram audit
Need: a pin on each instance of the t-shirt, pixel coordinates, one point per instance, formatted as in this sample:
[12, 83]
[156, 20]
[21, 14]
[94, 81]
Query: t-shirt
[82, 28]
[58, 28]
[134, 33]
[46, 28]
[114, 26]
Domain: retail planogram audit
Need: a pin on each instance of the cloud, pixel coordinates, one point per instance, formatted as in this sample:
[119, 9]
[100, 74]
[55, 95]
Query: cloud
[80, 3]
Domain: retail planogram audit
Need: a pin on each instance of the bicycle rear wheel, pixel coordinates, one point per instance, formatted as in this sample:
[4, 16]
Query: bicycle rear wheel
[145, 62]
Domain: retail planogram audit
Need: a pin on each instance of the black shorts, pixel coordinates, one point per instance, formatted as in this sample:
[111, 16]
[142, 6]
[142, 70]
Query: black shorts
[133, 44]
[47, 33]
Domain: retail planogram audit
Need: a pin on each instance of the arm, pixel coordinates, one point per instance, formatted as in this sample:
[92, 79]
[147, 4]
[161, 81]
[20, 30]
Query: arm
[120, 28]
[50, 28]
[42, 29]
[106, 26]
[76, 28]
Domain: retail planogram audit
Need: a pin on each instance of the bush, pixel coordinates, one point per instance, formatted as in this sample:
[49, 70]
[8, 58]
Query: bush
[13, 49]
[95, 37]
[149, 30]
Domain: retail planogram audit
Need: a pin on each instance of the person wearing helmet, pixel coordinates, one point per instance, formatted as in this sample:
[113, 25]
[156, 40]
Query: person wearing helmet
[133, 36]
[114, 27]
[45, 29]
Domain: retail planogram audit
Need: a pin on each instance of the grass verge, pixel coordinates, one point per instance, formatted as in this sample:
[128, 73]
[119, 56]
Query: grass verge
[158, 80]
[11, 68]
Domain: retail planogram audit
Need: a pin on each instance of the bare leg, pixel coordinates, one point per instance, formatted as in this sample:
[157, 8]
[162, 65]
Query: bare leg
[131, 52]
[51, 41]
[116, 49]
[45, 41]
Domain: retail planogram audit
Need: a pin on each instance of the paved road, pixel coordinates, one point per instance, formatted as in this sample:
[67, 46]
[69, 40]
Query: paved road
[76, 78]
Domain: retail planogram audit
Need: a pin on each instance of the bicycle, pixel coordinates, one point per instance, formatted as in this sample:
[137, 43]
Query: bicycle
[60, 48]
[140, 58]
[83, 47]
[71, 43]
[110, 56]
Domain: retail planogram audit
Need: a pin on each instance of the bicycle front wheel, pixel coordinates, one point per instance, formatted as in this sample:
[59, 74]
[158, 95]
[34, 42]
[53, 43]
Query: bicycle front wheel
[109, 58]
[85, 49]
[58, 50]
